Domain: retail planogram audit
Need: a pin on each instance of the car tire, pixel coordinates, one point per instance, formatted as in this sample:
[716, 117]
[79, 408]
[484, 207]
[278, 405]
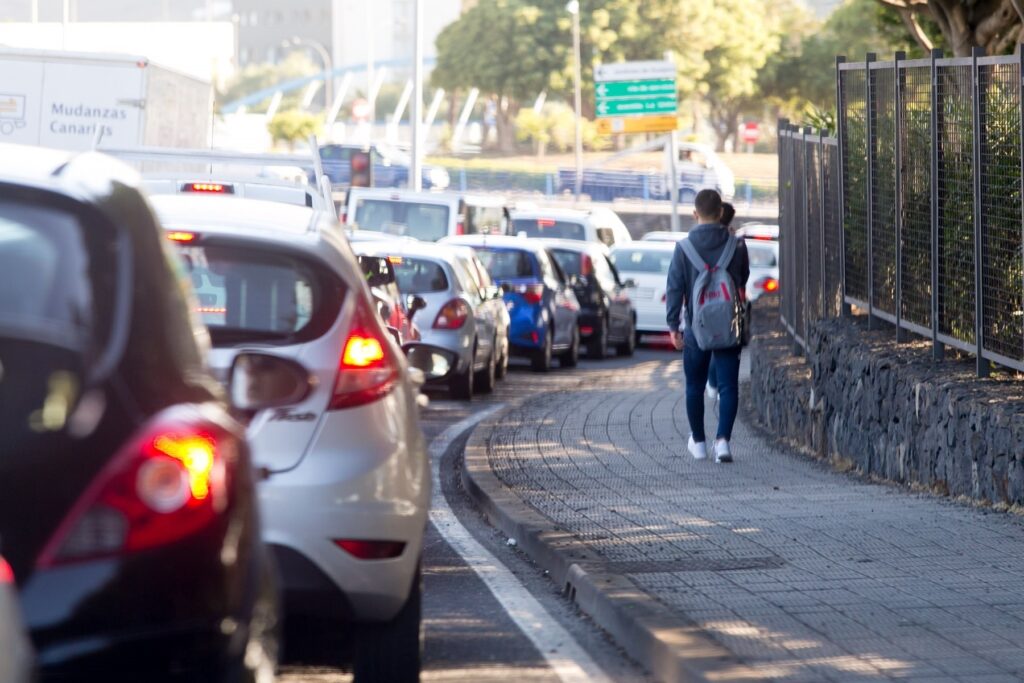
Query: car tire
[541, 360]
[461, 384]
[487, 378]
[391, 652]
[571, 358]
[627, 347]
[502, 370]
[597, 345]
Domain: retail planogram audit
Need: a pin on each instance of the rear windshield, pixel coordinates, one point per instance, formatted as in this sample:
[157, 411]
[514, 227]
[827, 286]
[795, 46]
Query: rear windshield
[428, 222]
[506, 264]
[570, 262]
[56, 278]
[251, 295]
[761, 256]
[641, 261]
[545, 227]
[417, 276]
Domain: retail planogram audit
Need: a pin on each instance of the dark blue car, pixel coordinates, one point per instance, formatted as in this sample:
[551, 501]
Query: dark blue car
[539, 297]
[390, 167]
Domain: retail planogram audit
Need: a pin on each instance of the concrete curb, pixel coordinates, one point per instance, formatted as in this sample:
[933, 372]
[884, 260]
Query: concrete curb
[668, 646]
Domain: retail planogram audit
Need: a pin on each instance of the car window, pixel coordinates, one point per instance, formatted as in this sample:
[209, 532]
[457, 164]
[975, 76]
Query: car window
[483, 277]
[485, 220]
[428, 222]
[507, 264]
[58, 278]
[549, 271]
[546, 227]
[246, 294]
[569, 261]
[603, 273]
[464, 273]
[559, 275]
[419, 276]
[761, 256]
[606, 235]
[642, 261]
[335, 153]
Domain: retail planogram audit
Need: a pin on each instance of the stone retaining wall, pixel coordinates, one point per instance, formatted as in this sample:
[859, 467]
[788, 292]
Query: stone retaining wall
[863, 402]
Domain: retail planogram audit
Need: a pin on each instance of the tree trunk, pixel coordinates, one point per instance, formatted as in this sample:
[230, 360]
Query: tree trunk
[507, 111]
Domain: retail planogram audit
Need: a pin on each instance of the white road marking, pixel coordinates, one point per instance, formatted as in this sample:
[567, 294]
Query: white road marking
[567, 659]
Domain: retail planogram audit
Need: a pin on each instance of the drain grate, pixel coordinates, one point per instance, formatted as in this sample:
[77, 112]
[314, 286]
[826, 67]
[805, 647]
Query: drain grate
[690, 564]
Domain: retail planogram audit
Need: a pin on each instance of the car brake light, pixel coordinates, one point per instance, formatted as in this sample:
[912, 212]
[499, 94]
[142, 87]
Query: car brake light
[182, 236]
[763, 238]
[460, 228]
[586, 265]
[209, 188]
[161, 488]
[371, 550]
[768, 284]
[452, 315]
[533, 294]
[6, 573]
[545, 222]
[367, 369]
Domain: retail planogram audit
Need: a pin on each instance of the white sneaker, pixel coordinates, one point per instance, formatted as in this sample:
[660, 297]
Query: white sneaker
[711, 392]
[698, 450]
[722, 452]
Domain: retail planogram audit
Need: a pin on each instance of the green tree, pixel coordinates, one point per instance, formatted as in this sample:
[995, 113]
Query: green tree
[256, 77]
[293, 125]
[996, 25]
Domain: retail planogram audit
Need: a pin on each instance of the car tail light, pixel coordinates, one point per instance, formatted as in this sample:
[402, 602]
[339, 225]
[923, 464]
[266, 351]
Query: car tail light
[586, 265]
[209, 188]
[162, 488]
[460, 228]
[768, 284]
[367, 369]
[452, 315]
[371, 550]
[6, 573]
[182, 236]
[586, 330]
[533, 294]
[763, 238]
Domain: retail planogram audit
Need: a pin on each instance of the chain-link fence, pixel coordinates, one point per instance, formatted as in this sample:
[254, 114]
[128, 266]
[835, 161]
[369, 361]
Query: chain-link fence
[914, 212]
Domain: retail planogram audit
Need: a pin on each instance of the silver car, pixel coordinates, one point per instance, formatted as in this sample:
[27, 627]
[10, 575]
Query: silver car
[347, 489]
[464, 311]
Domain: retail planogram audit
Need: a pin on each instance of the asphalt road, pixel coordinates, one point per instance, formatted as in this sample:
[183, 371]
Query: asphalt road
[469, 634]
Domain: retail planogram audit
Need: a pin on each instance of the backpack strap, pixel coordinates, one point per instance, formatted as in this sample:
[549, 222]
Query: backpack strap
[727, 253]
[694, 256]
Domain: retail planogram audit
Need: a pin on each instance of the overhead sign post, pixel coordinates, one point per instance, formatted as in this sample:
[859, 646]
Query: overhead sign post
[640, 97]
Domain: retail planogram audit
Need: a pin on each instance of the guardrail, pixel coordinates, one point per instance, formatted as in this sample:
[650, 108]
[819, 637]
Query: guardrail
[913, 213]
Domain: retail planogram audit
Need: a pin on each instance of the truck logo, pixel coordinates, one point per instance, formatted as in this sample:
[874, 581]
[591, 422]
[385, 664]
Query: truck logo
[12, 113]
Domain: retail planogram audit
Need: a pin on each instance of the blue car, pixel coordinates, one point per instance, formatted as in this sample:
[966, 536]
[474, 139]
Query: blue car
[539, 297]
[390, 167]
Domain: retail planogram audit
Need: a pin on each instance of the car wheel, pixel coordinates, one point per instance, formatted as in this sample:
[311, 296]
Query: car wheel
[627, 347]
[541, 361]
[597, 346]
[486, 380]
[571, 358]
[390, 652]
[502, 370]
[461, 384]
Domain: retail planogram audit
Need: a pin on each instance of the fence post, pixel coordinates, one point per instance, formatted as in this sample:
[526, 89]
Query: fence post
[982, 365]
[898, 194]
[821, 225]
[805, 243]
[869, 110]
[937, 347]
[844, 308]
[1020, 101]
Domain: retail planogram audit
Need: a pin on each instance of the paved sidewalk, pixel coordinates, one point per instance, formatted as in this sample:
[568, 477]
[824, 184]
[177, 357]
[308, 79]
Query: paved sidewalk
[803, 573]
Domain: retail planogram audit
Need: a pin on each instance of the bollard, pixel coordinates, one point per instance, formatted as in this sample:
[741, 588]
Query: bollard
[750, 194]
[549, 184]
[462, 179]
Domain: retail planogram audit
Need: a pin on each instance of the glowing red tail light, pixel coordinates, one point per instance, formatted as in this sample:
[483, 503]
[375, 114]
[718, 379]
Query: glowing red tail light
[533, 294]
[167, 485]
[6, 573]
[452, 316]
[371, 550]
[209, 188]
[460, 228]
[586, 265]
[768, 284]
[367, 369]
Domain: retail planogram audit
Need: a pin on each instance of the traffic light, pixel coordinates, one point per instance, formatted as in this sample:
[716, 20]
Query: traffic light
[361, 168]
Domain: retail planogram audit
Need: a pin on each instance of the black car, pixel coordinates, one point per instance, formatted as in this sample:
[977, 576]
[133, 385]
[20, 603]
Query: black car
[127, 502]
[606, 315]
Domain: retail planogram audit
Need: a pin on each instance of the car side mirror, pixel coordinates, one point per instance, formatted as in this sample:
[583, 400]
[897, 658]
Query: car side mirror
[414, 303]
[258, 381]
[377, 270]
[433, 361]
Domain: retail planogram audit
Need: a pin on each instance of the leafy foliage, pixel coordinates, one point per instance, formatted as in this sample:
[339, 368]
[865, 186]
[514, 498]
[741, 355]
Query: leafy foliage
[293, 125]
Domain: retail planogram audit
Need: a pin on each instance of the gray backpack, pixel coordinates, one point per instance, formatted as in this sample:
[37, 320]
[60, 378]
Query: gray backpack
[719, 315]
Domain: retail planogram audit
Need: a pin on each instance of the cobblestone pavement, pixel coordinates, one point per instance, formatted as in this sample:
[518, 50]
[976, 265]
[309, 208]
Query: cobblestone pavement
[803, 573]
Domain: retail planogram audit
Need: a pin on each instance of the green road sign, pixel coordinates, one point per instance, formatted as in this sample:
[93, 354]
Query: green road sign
[637, 106]
[663, 86]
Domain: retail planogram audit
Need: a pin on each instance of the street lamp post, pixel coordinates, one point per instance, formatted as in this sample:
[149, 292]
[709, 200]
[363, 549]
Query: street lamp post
[574, 9]
[416, 114]
[325, 56]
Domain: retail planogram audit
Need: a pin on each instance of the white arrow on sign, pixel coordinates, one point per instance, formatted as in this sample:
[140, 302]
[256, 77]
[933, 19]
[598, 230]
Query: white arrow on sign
[602, 89]
[602, 108]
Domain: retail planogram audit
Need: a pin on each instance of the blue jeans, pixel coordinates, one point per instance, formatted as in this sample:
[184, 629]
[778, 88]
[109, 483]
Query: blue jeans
[727, 369]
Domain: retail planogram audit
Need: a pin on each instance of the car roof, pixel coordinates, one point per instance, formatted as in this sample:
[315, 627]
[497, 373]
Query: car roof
[410, 248]
[497, 241]
[402, 195]
[555, 213]
[237, 213]
[651, 245]
[572, 245]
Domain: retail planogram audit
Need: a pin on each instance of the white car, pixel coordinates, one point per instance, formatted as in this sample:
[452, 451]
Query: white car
[426, 216]
[646, 264]
[464, 309]
[764, 268]
[598, 224]
[347, 480]
[662, 236]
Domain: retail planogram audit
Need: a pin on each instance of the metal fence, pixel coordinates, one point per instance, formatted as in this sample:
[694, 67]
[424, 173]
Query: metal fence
[913, 212]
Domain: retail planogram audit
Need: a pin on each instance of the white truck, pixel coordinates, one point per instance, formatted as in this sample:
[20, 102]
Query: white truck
[60, 99]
